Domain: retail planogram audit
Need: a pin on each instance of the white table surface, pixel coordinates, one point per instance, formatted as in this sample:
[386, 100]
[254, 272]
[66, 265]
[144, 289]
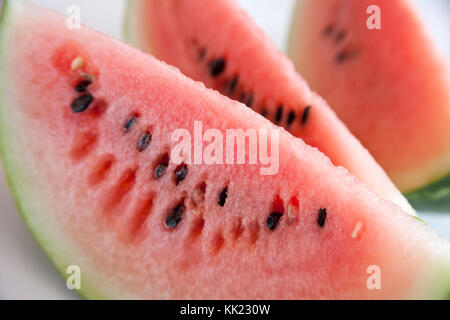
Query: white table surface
[25, 272]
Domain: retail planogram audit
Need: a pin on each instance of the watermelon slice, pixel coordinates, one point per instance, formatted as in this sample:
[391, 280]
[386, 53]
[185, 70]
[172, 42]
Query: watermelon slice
[86, 127]
[215, 42]
[390, 86]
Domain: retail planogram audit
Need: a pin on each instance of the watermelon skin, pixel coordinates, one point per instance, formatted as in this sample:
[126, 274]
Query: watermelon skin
[80, 220]
[393, 92]
[173, 31]
[435, 196]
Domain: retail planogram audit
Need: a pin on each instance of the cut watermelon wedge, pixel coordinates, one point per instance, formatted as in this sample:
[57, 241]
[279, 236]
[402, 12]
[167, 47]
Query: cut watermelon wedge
[390, 86]
[86, 127]
[215, 42]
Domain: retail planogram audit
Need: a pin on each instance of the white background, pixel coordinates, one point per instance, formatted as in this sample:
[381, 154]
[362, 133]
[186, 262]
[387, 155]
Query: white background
[25, 272]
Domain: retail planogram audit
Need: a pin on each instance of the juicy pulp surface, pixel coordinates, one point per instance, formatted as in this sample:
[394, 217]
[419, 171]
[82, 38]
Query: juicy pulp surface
[90, 198]
[195, 35]
[392, 89]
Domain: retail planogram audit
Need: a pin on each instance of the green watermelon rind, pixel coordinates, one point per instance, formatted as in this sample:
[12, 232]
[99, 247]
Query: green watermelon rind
[129, 30]
[433, 197]
[126, 32]
[16, 181]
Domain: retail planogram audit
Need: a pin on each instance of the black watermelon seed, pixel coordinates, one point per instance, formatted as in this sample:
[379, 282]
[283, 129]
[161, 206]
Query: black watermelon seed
[233, 84]
[180, 173]
[163, 163]
[159, 170]
[328, 30]
[175, 216]
[223, 196]
[216, 67]
[201, 54]
[346, 55]
[144, 141]
[279, 114]
[249, 101]
[82, 85]
[129, 124]
[291, 117]
[81, 103]
[321, 216]
[340, 35]
[272, 220]
[341, 57]
[305, 115]
[264, 112]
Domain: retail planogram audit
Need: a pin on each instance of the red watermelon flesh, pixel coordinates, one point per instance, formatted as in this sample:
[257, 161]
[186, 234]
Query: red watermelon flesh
[215, 41]
[83, 174]
[390, 86]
